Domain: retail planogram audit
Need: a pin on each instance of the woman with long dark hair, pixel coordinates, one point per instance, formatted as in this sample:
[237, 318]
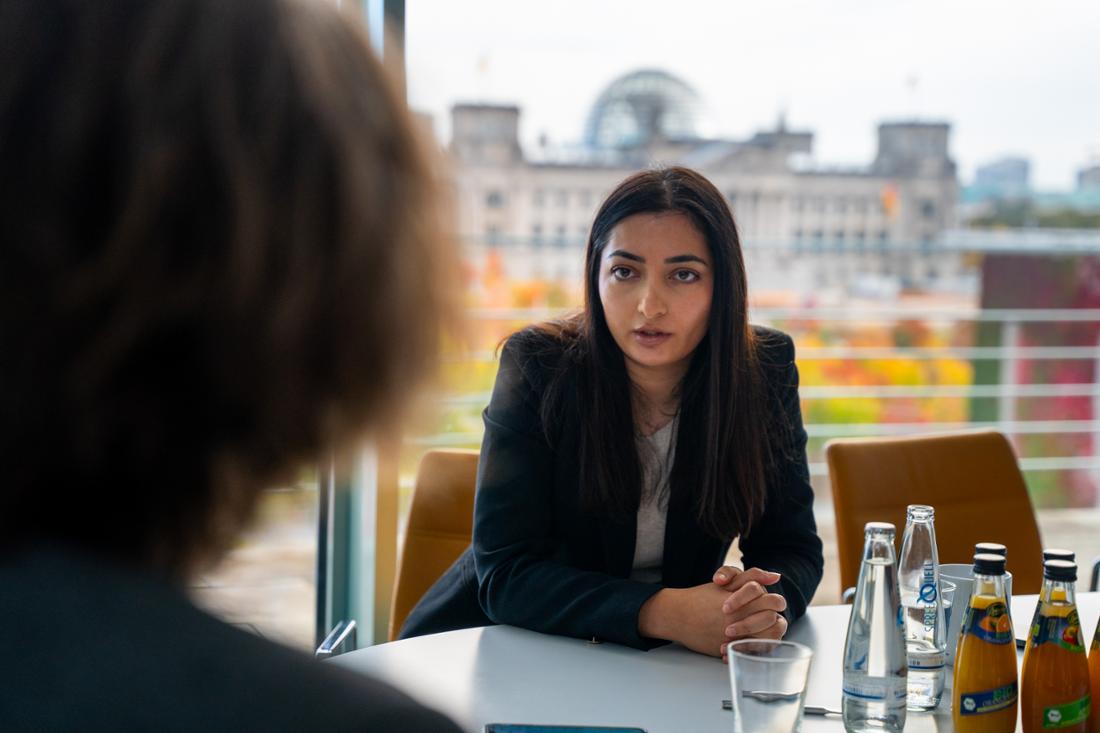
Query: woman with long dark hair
[626, 447]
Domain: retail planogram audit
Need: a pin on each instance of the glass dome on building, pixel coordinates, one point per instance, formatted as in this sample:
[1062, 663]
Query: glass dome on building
[642, 107]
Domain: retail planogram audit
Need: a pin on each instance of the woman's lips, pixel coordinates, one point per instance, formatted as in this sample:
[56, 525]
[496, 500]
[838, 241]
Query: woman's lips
[650, 337]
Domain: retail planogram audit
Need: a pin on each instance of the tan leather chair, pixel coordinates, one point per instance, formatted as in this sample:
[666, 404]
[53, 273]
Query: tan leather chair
[971, 479]
[440, 524]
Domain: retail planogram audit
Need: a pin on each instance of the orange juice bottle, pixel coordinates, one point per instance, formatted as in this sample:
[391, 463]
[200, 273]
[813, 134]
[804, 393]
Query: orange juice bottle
[1055, 554]
[1054, 684]
[1058, 593]
[1094, 680]
[985, 688]
[991, 548]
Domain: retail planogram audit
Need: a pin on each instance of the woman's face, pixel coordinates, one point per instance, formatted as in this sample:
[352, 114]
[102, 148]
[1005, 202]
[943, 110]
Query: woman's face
[656, 285]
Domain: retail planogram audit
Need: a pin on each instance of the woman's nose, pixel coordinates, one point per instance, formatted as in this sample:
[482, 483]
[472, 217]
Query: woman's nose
[652, 305]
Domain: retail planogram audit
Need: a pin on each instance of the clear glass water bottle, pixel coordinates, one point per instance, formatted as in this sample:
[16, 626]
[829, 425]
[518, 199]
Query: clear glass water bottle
[875, 664]
[925, 626]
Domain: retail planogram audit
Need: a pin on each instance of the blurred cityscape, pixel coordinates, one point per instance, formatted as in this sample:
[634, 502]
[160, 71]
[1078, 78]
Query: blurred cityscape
[928, 304]
[918, 303]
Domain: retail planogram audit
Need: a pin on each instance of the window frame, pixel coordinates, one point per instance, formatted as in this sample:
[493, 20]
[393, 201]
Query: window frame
[358, 499]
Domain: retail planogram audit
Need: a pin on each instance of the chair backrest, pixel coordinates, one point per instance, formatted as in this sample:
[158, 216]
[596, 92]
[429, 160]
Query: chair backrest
[971, 479]
[440, 524]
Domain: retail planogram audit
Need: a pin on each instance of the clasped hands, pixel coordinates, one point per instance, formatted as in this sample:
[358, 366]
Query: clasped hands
[705, 618]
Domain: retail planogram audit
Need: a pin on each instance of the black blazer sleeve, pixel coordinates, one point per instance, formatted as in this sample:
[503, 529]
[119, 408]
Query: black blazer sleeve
[514, 541]
[785, 538]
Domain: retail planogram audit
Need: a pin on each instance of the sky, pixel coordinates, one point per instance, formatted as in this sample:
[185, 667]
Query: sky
[1012, 78]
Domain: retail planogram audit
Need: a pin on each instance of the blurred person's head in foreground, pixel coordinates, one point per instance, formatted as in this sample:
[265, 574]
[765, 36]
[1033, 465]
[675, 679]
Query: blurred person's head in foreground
[219, 258]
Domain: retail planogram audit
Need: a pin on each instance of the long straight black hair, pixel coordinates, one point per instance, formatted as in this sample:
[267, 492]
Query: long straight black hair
[725, 439]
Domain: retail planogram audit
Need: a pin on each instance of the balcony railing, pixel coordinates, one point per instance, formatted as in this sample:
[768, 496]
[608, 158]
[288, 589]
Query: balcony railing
[1003, 325]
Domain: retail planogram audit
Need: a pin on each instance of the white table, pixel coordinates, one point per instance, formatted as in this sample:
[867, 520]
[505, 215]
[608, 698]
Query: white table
[511, 675]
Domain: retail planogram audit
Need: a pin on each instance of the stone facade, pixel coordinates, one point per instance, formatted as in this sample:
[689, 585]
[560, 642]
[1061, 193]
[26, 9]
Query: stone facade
[801, 225]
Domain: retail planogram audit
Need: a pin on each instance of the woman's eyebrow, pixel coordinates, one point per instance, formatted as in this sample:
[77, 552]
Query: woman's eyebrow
[627, 255]
[685, 258]
[668, 261]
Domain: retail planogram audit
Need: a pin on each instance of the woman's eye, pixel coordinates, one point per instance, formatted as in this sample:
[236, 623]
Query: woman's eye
[621, 273]
[685, 276]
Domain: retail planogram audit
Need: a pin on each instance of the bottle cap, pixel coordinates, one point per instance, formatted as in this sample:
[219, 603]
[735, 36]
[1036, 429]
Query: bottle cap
[1055, 554]
[991, 548]
[987, 564]
[879, 527]
[1060, 570]
[920, 511]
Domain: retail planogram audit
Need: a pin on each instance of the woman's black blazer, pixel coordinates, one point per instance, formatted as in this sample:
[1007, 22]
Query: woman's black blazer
[538, 561]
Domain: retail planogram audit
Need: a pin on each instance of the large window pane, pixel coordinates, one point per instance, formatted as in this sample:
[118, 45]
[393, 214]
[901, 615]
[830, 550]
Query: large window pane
[933, 278]
[267, 581]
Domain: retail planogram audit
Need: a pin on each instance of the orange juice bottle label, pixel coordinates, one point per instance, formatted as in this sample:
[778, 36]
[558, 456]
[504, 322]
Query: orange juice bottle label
[990, 624]
[989, 701]
[1065, 631]
[1064, 716]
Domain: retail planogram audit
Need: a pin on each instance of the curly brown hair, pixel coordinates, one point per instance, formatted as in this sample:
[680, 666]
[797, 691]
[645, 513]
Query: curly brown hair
[220, 255]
